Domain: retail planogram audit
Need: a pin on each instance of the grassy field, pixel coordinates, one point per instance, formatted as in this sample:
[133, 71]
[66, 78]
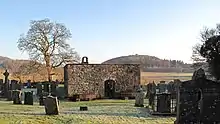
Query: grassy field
[147, 77]
[100, 112]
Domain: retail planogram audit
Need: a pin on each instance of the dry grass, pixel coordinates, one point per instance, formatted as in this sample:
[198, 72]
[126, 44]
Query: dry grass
[147, 77]
[100, 112]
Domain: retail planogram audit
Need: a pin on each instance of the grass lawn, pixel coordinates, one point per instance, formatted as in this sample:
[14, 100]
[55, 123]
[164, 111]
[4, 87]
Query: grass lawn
[100, 112]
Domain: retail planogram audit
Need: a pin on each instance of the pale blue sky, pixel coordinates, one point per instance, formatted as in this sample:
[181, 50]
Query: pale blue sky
[103, 29]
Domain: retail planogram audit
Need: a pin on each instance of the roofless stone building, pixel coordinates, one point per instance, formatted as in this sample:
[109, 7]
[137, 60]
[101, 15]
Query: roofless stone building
[101, 80]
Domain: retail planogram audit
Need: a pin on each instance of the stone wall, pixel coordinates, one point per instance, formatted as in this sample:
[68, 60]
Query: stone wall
[90, 78]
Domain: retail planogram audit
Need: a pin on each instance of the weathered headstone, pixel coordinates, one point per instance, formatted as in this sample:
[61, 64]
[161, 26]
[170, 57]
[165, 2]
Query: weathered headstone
[28, 98]
[198, 100]
[139, 98]
[16, 96]
[51, 105]
[164, 103]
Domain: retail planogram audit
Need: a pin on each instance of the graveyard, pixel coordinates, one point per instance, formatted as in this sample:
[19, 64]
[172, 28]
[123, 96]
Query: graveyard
[99, 111]
[58, 85]
[163, 102]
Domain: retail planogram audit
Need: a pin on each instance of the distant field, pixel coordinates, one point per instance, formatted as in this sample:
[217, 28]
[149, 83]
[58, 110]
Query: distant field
[147, 77]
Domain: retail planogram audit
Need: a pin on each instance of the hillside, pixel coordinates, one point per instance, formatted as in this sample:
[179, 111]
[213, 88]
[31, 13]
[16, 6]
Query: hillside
[13, 67]
[148, 64]
[152, 63]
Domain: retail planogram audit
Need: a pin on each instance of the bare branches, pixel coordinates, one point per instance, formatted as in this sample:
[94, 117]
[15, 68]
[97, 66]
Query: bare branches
[209, 50]
[45, 42]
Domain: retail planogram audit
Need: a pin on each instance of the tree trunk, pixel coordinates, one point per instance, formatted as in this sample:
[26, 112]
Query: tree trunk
[49, 74]
[48, 66]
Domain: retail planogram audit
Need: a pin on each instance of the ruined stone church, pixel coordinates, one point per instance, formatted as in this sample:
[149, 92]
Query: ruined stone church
[101, 80]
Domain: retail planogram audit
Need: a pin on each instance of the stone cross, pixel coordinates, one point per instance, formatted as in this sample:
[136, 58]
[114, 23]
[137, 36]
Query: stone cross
[6, 85]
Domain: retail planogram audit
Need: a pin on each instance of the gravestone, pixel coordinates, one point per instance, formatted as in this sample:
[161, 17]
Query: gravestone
[39, 89]
[14, 84]
[46, 87]
[152, 94]
[163, 103]
[83, 108]
[28, 98]
[6, 84]
[9, 97]
[148, 90]
[53, 87]
[51, 105]
[19, 86]
[1, 87]
[170, 87]
[139, 98]
[198, 100]
[16, 96]
[162, 87]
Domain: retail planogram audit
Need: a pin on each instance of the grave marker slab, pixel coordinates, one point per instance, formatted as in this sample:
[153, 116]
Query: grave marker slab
[51, 105]
[16, 96]
[28, 98]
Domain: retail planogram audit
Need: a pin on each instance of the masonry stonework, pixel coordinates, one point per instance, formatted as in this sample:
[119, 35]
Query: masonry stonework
[91, 78]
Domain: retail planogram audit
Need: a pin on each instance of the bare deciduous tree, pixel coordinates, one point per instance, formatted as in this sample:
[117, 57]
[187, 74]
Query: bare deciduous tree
[209, 49]
[45, 42]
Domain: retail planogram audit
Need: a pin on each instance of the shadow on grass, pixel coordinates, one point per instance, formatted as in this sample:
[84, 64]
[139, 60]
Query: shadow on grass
[21, 113]
[141, 113]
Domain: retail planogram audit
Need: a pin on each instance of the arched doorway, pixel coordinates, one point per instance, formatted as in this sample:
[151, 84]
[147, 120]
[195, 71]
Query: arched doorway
[109, 88]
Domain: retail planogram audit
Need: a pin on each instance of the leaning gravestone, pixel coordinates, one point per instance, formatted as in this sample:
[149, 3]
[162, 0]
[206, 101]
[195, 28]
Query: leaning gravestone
[16, 96]
[28, 98]
[51, 105]
[139, 98]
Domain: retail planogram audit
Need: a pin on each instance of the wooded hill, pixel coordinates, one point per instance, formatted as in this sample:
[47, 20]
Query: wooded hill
[148, 64]
[152, 63]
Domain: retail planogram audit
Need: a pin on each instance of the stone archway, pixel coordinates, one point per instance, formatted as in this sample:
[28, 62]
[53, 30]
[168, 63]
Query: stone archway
[109, 88]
